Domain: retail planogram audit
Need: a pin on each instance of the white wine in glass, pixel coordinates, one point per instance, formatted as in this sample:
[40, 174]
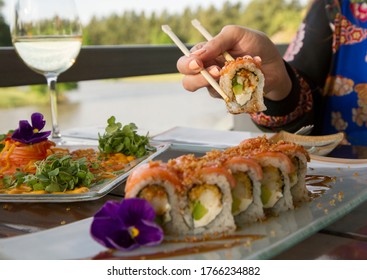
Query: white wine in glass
[47, 35]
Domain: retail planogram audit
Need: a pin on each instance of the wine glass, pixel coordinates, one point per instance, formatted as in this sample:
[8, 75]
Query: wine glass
[47, 35]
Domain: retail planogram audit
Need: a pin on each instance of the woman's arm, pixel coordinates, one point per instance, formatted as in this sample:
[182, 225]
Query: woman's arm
[311, 50]
[308, 62]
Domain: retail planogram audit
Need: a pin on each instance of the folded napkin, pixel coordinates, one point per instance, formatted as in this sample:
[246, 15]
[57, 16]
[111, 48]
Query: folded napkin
[84, 132]
[91, 132]
[204, 137]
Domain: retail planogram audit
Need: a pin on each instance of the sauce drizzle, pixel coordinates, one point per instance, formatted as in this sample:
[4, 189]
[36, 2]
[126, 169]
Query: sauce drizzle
[238, 240]
[318, 184]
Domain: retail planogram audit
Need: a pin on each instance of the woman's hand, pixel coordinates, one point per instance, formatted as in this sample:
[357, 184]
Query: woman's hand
[237, 41]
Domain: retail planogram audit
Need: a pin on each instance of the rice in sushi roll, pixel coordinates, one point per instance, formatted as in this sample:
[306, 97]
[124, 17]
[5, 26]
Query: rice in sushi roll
[243, 82]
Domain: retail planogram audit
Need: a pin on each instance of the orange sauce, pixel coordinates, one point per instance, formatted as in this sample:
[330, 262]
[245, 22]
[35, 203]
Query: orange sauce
[27, 190]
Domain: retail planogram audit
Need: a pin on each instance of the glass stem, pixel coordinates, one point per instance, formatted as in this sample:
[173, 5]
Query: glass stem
[51, 82]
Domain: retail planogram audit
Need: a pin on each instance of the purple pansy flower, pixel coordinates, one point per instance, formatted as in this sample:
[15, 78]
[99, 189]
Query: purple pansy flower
[30, 134]
[126, 225]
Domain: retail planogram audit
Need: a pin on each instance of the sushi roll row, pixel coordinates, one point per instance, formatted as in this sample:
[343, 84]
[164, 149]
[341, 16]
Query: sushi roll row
[284, 167]
[224, 189]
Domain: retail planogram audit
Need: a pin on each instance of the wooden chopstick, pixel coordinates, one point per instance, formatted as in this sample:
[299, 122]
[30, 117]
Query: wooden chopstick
[186, 52]
[196, 23]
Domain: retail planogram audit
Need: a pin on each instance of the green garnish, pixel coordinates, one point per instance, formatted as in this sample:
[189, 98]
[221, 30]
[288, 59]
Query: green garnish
[12, 181]
[123, 139]
[58, 173]
[2, 137]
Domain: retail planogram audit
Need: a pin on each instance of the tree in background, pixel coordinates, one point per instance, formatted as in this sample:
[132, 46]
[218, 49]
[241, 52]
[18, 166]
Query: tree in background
[5, 39]
[278, 18]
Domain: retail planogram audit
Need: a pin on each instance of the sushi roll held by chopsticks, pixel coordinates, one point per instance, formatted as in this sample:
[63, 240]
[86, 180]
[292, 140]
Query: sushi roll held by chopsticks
[243, 82]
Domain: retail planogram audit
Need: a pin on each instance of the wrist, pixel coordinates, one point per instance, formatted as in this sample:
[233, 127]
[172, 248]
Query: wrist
[285, 104]
[282, 84]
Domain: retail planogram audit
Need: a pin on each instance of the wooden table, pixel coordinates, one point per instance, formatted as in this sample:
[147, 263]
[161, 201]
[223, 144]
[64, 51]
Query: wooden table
[344, 239]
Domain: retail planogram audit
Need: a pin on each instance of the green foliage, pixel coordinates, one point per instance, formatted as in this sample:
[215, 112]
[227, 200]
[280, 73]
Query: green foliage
[32, 95]
[18, 96]
[5, 38]
[272, 16]
[269, 16]
[61, 88]
[123, 139]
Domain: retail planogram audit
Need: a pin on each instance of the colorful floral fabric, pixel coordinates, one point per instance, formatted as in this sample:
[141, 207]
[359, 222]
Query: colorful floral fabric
[330, 52]
[346, 88]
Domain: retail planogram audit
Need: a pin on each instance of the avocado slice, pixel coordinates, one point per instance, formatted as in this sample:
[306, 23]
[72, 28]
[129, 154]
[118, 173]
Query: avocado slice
[236, 204]
[198, 211]
[237, 89]
[265, 195]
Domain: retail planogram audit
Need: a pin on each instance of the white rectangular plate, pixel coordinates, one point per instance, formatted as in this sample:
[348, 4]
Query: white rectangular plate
[343, 194]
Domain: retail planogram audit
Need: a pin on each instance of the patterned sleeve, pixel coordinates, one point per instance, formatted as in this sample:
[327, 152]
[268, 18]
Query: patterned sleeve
[307, 59]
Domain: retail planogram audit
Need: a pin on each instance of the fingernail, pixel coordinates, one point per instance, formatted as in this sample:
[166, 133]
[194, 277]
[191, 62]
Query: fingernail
[193, 65]
[199, 51]
[214, 72]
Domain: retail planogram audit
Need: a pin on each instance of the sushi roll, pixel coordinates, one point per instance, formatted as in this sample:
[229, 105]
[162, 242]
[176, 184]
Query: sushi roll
[299, 157]
[161, 187]
[208, 195]
[243, 82]
[277, 168]
[275, 186]
[247, 206]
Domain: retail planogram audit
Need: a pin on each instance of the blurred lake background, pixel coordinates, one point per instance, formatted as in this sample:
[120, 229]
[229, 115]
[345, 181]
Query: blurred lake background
[154, 104]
